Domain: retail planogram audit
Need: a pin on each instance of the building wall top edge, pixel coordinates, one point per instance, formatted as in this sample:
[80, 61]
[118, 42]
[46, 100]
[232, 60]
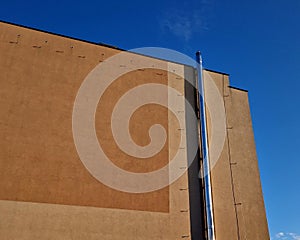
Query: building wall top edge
[239, 89]
[98, 44]
[218, 72]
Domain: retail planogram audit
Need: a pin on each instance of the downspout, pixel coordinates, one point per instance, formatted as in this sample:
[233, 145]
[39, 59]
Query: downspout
[205, 154]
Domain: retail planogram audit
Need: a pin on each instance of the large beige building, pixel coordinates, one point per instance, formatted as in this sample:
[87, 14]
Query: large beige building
[47, 189]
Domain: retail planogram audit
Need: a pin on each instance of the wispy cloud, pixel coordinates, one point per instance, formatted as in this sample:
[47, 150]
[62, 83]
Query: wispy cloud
[181, 26]
[185, 20]
[286, 236]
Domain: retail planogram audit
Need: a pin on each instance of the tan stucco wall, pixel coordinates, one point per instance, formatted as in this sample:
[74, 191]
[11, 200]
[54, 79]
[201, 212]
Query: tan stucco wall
[238, 205]
[45, 191]
[38, 90]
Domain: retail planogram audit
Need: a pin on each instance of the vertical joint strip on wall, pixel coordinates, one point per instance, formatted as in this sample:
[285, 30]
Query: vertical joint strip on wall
[205, 154]
[231, 164]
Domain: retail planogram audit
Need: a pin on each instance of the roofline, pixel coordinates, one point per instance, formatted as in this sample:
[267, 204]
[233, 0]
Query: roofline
[227, 74]
[64, 36]
[101, 44]
[89, 42]
[239, 89]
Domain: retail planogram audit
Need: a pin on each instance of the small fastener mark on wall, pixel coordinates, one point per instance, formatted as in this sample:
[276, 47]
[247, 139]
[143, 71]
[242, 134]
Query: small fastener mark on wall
[16, 42]
[81, 56]
[35, 46]
[185, 236]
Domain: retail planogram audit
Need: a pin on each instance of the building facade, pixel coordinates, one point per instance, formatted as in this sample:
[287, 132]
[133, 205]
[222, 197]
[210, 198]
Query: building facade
[47, 191]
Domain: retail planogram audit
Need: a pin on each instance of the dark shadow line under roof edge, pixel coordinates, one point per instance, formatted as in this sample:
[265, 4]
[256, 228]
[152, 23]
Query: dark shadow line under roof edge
[239, 89]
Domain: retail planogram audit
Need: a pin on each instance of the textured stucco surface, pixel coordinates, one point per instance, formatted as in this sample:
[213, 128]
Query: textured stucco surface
[238, 204]
[38, 90]
[46, 192]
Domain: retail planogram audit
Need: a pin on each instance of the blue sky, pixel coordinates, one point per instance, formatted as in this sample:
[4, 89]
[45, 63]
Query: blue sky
[257, 42]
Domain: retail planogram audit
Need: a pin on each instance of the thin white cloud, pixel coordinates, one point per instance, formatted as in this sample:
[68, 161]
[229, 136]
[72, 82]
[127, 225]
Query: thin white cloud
[281, 234]
[180, 26]
[294, 236]
[287, 236]
[185, 21]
